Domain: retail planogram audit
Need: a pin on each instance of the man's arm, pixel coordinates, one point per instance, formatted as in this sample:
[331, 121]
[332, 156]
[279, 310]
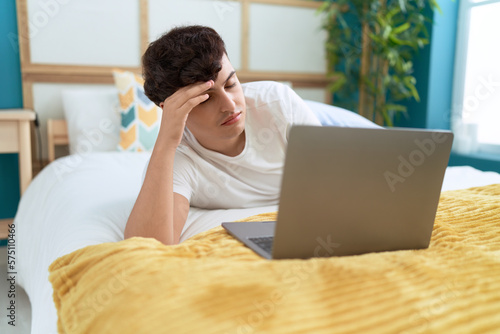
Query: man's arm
[159, 212]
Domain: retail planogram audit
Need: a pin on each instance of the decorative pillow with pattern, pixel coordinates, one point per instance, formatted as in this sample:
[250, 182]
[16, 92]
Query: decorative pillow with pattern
[140, 117]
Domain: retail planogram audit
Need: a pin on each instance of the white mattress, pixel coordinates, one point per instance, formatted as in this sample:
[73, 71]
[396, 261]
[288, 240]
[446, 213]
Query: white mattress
[76, 202]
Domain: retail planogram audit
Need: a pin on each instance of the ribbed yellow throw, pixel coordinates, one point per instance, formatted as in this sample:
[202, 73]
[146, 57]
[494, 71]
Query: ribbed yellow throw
[213, 284]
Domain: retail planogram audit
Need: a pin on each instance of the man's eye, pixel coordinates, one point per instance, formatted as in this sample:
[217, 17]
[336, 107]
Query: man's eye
[231, 86]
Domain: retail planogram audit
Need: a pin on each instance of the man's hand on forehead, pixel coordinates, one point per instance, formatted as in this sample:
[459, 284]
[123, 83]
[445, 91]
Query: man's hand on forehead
[188, 97]
[177, 107]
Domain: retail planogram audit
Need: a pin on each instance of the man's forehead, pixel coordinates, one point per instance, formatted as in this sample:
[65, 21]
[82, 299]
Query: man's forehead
[223, 79]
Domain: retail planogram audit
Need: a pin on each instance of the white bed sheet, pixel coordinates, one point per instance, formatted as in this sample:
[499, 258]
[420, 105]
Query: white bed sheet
[80, 201]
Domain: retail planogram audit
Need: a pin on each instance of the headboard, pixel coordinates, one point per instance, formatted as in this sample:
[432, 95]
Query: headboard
[75, 43]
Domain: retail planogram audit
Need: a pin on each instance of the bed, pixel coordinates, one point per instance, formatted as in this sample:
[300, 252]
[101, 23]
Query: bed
[73, 215]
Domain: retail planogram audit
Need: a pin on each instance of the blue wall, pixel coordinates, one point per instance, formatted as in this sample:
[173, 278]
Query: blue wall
[434, 69]
[442, 63]
[10, 97]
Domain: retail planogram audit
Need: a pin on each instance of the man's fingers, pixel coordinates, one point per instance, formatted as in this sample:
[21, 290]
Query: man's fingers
[198, 88]
[193, 102]
[180, 97]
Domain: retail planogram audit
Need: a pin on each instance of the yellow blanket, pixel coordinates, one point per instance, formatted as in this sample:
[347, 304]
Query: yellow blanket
[213, 284]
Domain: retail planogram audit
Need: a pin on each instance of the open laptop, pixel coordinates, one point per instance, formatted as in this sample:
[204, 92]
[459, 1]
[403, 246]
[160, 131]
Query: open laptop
[348, 191]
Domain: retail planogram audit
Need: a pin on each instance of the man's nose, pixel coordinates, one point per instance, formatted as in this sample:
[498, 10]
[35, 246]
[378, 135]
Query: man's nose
[227, 102]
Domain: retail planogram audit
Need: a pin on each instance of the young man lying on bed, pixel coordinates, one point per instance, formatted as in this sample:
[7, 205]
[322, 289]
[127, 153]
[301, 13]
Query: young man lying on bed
[221, 144]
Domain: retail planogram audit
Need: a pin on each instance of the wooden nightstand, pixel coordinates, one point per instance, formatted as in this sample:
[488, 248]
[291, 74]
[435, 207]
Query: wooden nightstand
[4, 228]
[15, 138]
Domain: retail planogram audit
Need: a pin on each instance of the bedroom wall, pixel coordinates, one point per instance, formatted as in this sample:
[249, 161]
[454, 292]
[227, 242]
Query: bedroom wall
[10, 97]
[434, 70]
[80, 42]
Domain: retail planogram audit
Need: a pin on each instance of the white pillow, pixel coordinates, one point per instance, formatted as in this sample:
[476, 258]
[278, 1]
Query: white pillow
[330, 115]
[93, 119]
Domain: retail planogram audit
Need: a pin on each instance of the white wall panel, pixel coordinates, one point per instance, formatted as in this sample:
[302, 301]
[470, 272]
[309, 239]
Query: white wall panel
[223, 16]
[284, 38]
[89, 32]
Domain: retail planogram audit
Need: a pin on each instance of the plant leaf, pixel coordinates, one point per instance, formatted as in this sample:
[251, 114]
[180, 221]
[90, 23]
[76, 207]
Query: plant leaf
[401, 28]
[396, 107]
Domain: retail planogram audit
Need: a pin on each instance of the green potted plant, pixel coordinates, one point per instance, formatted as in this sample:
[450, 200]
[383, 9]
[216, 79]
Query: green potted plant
[370, 46]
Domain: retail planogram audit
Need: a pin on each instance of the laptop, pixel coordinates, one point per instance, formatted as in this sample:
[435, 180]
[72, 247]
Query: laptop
[350, 191]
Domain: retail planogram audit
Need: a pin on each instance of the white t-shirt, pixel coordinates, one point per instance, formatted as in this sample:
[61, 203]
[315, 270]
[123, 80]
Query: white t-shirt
[211, 180]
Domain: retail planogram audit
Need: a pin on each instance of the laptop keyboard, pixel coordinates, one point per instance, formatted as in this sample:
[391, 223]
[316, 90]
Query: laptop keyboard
[266, 243]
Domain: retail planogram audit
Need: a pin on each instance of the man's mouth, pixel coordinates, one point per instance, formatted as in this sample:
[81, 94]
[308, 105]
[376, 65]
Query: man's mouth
[232, 119]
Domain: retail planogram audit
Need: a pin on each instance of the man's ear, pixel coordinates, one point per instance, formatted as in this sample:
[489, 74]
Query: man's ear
[161, 105]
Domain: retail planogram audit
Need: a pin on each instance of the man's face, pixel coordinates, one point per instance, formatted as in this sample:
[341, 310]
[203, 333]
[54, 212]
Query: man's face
[219, 122]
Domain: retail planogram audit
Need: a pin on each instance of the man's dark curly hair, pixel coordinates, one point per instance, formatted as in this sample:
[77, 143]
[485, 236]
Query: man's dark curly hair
[183, 56]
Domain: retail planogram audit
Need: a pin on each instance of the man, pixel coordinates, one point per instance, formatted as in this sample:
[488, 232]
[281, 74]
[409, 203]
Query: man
[221, 144]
